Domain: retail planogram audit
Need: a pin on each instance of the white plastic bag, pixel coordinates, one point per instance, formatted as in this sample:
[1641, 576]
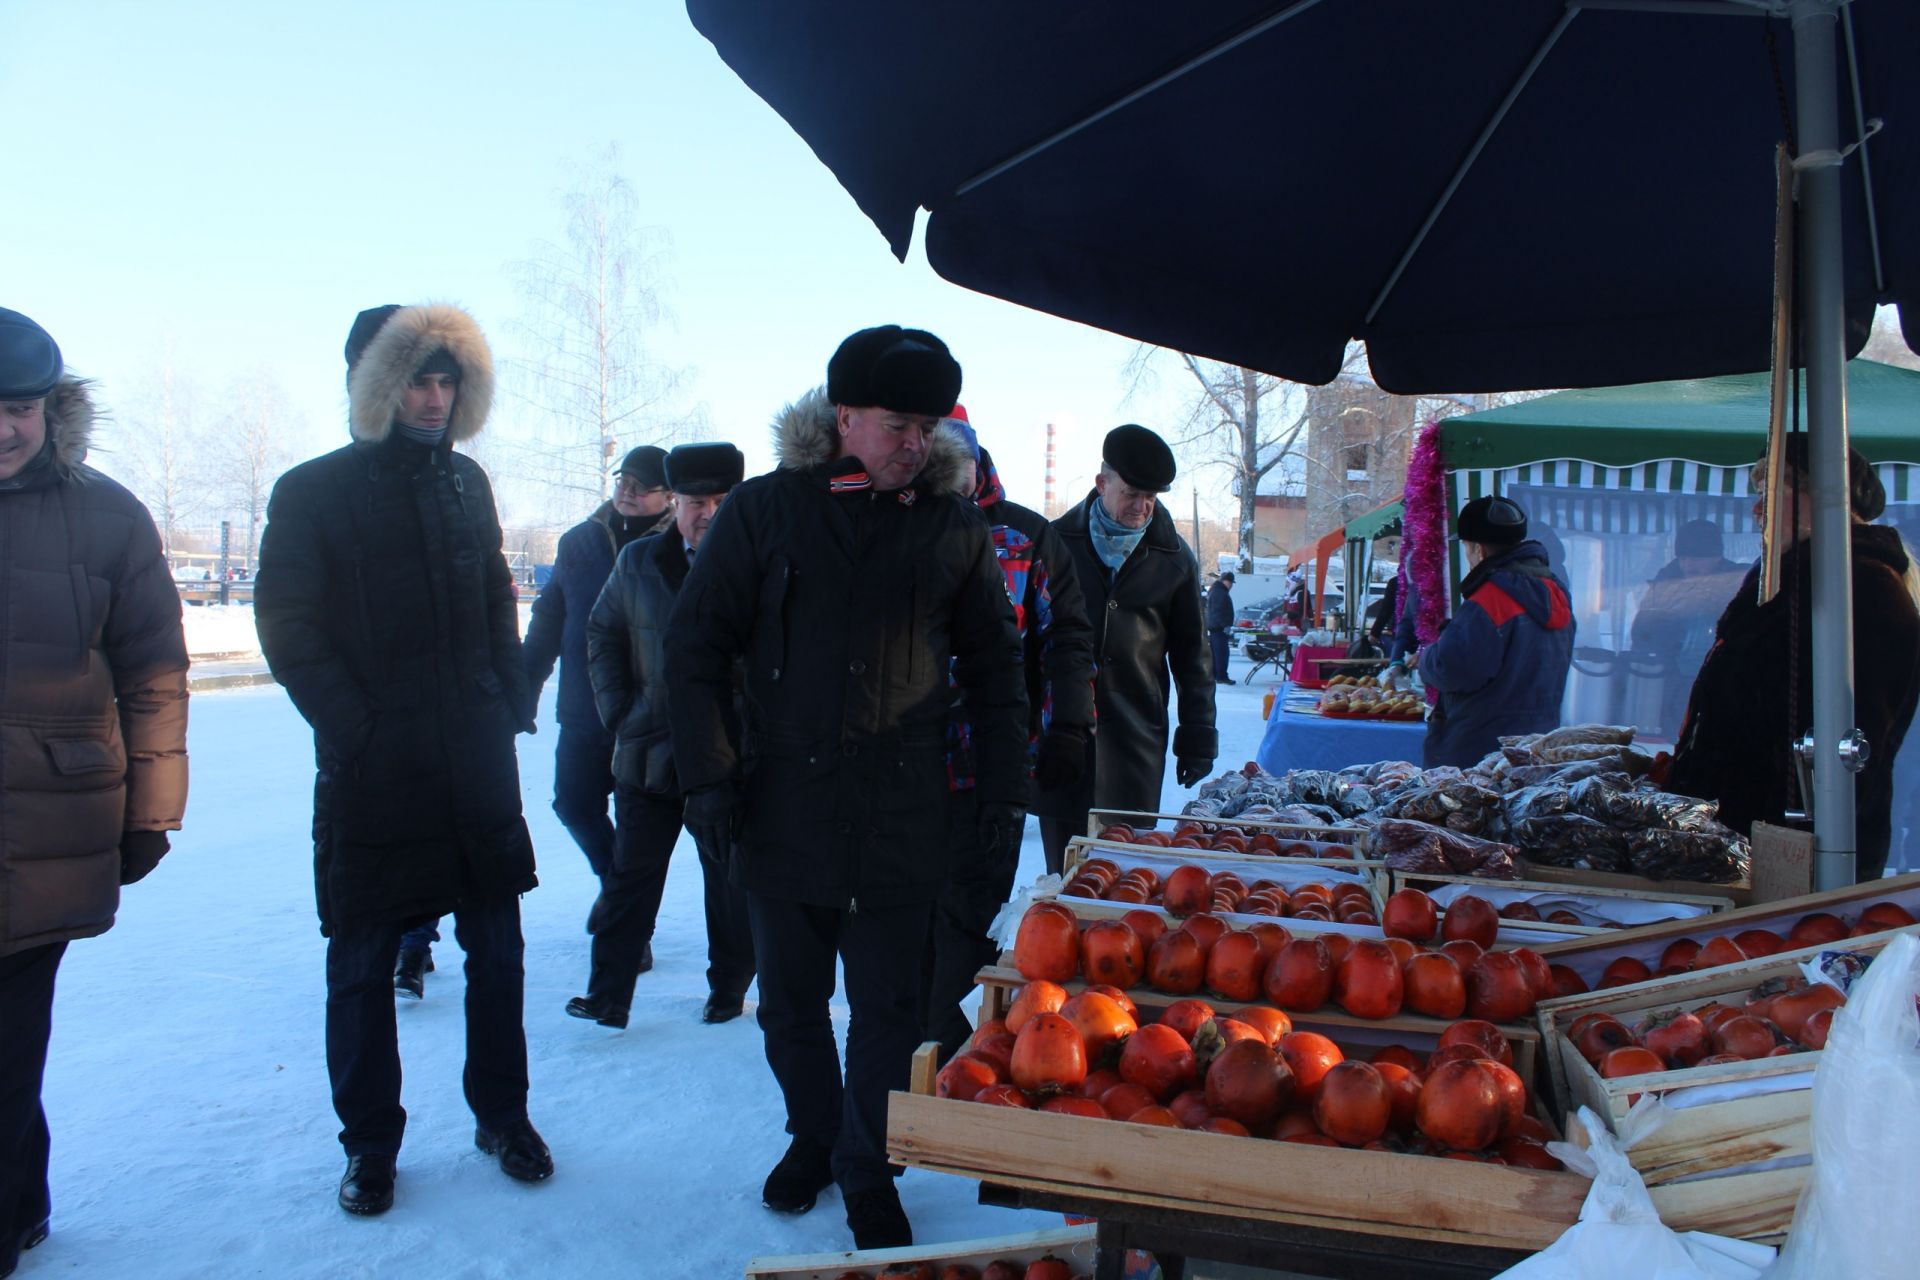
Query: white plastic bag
[1620, 1234]
[1860, 1213]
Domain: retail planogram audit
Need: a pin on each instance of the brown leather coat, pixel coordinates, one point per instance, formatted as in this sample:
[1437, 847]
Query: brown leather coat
[93, 686]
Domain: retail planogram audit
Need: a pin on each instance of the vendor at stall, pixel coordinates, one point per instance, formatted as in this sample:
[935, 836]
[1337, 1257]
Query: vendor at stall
[1500, 667]
[1752, 697]
[1675, 622]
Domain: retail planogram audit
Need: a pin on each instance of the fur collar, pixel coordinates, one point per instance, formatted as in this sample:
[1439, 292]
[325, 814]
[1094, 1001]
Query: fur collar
[403, 344]
[70, 418]
[805, 435]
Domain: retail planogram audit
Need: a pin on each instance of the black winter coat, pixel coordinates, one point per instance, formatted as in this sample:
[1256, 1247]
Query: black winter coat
[385, 607]
[850, 608]
[557, 629]
[1219, 607]
[626, 660]
[1734, 747]
[1147, 640]
[93, 689]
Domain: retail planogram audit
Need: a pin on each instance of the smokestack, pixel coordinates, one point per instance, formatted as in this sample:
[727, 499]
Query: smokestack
[1049, 507]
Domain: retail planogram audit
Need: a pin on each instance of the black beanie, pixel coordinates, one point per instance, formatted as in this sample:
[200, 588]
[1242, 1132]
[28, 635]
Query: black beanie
[1700, 539]
[905, 370]
[30, 363]
[1866, 496]
[1139, 457]
[1493, 522]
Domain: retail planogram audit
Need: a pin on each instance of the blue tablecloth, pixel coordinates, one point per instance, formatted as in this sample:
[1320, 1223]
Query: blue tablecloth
[1294, 741]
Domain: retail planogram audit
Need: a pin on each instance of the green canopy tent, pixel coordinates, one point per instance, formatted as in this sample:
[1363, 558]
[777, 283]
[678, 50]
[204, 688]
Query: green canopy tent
[1608, 476]
[1360, 534]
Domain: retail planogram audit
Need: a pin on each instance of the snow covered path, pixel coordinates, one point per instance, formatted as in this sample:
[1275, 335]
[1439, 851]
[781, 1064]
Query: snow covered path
[187, 1091]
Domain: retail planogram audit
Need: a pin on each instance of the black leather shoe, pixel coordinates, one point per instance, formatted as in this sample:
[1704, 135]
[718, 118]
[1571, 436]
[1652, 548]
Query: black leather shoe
[410, 974]
[34, 1234]
[598, 1009]
[367, 1186]
[723, 1008]
[523, 1154]
[877, 1220]
[646, 960]
[797, 1181]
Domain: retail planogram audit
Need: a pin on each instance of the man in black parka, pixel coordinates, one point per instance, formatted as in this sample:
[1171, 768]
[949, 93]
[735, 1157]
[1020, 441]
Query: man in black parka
[852, 580]
[385, 607]
[626, 657]
[1142, 587]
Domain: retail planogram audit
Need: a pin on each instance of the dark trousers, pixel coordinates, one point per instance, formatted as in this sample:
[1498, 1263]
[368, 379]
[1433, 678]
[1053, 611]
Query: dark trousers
[1054, 835]
[582, 781]
[957, 943]
[26, 1022]
[1217, 642]
[622, 921]
[880, 951]
[363, 1051]
[730, 964]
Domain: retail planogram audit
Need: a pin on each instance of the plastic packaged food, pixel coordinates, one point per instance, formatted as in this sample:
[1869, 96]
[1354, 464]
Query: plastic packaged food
[1419, 846]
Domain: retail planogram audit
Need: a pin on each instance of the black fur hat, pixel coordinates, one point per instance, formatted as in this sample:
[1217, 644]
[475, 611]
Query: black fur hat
[702, 470]
[1139, 457]
[30, 362]
[1493, 522]
[905, 370]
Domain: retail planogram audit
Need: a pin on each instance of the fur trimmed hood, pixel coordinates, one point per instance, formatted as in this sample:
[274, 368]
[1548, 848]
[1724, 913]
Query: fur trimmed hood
[805, 435]
[70, 417]
[404, 343]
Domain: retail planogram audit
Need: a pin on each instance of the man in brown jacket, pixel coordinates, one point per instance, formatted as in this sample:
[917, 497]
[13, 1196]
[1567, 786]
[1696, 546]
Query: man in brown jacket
[93, 727]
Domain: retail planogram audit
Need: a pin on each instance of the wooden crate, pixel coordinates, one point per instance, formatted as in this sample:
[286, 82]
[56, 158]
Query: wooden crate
[1249, 867]
[1589, 956]
[1371, 1192]
[1597, 898]
[998, 983]
[1141, 820]
[1741, 891]
[1700, 1164]
[1073, 1244]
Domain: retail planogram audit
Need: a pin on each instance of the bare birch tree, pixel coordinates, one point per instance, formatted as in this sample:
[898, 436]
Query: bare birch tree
[591, 304]
[254, 448]
[160, 438]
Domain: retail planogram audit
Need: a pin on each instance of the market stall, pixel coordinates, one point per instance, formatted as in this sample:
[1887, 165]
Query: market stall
[1298, 738]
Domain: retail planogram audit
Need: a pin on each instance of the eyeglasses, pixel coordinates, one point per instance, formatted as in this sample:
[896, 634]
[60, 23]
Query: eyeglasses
[628, 484]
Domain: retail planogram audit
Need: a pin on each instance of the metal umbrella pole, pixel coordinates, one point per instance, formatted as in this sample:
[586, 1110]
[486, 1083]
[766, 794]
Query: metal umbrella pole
[1838, 749]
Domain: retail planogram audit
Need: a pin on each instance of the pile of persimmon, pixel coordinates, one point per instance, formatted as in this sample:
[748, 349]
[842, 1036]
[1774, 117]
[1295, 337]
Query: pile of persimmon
[1189, 889]
[1248, 1073]
[1226, 838]
[1818, 929]
[1047, 1268]
[1365, 977]
[1781, 1017]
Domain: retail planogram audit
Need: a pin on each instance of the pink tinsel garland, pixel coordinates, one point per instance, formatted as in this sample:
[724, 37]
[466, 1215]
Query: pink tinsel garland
[1425, 558]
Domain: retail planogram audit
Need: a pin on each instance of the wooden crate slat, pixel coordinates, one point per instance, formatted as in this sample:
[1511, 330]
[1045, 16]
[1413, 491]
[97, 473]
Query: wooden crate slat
[1074, 1243]
[1359, 1190]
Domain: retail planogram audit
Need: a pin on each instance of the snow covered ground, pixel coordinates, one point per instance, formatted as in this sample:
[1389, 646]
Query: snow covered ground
[187, 1092]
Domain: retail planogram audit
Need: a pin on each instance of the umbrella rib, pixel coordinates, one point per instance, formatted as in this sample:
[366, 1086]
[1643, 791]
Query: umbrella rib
[1460, 173]
[1152, 86]
[1866, 166]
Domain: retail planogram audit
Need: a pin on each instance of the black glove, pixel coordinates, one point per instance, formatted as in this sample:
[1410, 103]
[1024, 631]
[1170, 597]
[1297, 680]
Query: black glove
[140, 852]
[713, 815]
[1061, 760]
[1190, 770]
[1000, 827]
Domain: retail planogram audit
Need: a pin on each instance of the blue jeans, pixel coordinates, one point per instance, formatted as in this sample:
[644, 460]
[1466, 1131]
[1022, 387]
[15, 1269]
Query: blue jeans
[363, 1048]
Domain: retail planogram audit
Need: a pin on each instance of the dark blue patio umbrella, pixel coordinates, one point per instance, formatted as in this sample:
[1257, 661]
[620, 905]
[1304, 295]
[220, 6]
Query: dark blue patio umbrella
[1492, 194]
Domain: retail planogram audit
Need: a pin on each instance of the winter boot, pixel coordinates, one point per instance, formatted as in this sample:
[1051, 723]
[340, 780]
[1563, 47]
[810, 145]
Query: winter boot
[523, 1153]
[598, 1008]
[367, 1186]
[877, 1220]
[797, 1181]
[723, 1006]
[410, 973]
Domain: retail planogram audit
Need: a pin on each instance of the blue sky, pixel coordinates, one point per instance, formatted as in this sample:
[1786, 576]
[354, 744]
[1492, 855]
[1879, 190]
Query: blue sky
[237, 180]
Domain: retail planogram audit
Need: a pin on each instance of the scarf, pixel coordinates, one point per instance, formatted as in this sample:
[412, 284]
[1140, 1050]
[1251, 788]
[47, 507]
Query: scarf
[1113, 542]
[429, 437]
